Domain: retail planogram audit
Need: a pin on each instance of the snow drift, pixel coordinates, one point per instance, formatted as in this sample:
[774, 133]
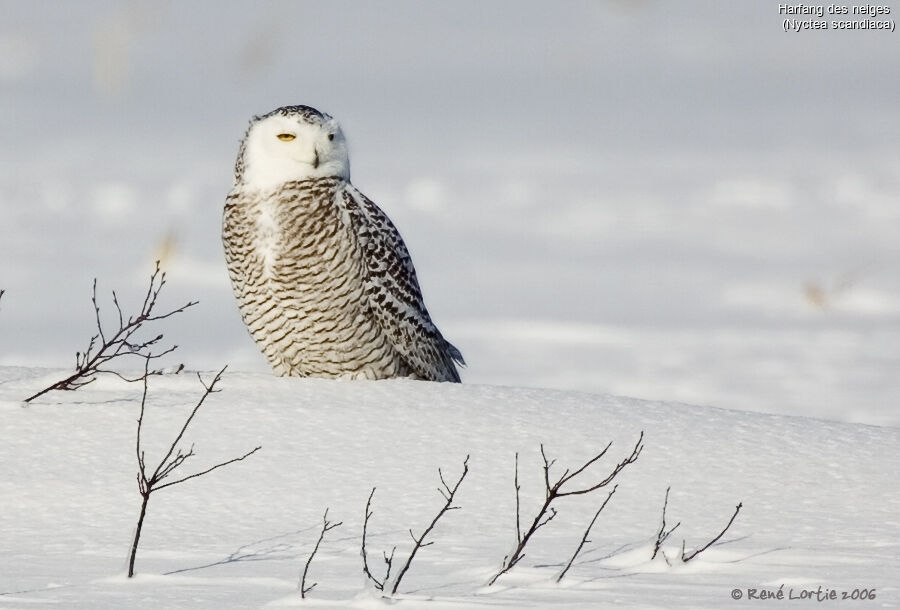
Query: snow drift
[820, 499]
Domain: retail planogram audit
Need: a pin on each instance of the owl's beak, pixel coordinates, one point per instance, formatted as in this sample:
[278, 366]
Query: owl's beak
[315, 163]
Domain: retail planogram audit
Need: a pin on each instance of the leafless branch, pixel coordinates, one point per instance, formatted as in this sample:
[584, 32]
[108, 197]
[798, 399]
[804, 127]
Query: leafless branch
[327, 526]
[379, 584]
[546, 513]
[584, 539]
[208, 470]
[663, 534]
[106, 346]
[165, 466]
[448, 493]
[174, 458]
[687, 557]
[518, 507]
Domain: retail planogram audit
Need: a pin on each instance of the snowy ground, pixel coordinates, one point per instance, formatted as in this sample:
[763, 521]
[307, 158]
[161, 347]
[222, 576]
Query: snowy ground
[820, 499]
[673, 201]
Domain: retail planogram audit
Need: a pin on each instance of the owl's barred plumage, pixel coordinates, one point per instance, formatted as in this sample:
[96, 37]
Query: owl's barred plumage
[322, 277]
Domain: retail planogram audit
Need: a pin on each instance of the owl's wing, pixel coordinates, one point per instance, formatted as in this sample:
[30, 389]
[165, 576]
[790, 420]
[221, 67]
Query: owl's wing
[393, 293]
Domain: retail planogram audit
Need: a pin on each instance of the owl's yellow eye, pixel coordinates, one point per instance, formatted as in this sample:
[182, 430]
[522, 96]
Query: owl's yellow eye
[286, 137]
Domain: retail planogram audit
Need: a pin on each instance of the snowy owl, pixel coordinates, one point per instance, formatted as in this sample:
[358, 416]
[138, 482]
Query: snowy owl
[323, 279]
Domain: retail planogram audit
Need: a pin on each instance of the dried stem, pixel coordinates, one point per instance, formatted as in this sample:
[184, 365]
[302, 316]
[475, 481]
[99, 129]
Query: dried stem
[175, 457]
[518, 506]
[379, 584]
[686, 558]
[662, 535]
[584, 539]
[546, 513]
[327, 526]
[104, 347]
[448, 493]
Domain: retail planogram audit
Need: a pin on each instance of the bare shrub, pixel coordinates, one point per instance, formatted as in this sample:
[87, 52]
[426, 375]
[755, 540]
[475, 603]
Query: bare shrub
[686, 557]
[449, 493]
[106, 346]
[587, 532]
[663, 534]
[174, 458]
[554, 491]
[388, 559]
[327, 526]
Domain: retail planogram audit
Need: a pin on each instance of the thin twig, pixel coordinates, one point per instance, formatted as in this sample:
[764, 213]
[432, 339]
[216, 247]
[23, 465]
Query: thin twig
[584, 539]
[379, 584]
[104, 347]
[327, 526]
[174, 458]
[165, 467]
[552, 491]
[662, 535]
[687, 558]
[208, 470]
[518, 511]
[448, 493]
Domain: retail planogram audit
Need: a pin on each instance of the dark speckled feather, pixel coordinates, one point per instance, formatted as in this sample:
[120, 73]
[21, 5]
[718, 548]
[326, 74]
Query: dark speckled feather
[326, 285]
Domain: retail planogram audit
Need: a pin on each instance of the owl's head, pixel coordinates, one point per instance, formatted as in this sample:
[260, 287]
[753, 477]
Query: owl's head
[291, 143]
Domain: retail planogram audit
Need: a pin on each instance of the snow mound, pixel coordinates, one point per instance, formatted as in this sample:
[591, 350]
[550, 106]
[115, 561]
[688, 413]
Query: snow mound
[820, 499]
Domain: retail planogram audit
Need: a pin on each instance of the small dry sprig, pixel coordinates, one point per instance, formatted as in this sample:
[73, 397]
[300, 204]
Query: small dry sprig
[327, 526]
[105, 347]
[587, 532]
[552, 491]
[174, 458]
[686, 557]
[448, 493]
[388, 559]
[663, 534]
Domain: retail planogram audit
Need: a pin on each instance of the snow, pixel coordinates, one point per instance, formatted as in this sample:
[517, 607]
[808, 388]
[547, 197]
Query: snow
[820, 498]
[702, 213]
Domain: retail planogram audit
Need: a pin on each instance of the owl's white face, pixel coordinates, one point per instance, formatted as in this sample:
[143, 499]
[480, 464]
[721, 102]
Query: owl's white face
[281, 147]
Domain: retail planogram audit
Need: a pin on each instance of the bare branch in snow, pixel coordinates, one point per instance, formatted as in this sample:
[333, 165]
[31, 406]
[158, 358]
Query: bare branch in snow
[449, 494]
[687, 557]
[175, 458]
[587, 532]
[558, 489]
[518, 504]
[663, 534]
[388, 560]
[108, 345]
[327, 526]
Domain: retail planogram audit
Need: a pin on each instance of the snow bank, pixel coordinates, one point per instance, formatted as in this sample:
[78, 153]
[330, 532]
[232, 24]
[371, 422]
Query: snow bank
[820, 498]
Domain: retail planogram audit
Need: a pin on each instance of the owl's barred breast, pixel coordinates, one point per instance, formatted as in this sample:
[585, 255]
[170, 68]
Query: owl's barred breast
[323, 279]
[297, 272]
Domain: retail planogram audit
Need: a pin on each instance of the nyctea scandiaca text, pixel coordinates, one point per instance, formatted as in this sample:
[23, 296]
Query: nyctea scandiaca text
[801, 17]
